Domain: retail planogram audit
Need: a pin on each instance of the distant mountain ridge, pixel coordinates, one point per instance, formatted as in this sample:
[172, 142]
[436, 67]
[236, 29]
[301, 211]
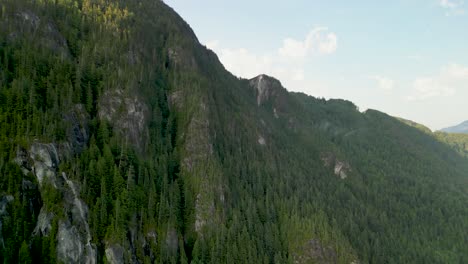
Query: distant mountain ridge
[461, 128]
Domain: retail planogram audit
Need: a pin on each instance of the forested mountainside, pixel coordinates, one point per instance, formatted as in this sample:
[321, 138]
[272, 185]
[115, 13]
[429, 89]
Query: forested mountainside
[124, 140]
[457, 141]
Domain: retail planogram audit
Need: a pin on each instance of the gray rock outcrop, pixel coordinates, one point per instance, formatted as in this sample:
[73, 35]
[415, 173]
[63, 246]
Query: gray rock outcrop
[115, 254]
[127, 114]
[265, 87]
[44, 223]
[44, 32]
[340, 168]
[80, 248]
[78, 127]
[42, 160]
[4, 201]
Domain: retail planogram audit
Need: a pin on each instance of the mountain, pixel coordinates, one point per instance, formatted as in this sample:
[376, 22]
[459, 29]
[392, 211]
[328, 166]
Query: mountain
[124, 140]
[457, 141]
[460, 129]
[415, 125]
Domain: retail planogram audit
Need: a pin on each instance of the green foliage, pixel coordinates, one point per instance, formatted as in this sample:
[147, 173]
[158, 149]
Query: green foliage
[459, 142]
[202, 190]
[24, 256]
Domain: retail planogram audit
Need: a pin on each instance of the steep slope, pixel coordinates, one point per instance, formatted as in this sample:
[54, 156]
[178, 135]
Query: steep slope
[459, 129]
[387, 163]
[415, 125]
[458, 142]
[124, 140]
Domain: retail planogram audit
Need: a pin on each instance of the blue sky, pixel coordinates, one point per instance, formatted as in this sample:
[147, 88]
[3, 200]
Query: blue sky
[408, 58]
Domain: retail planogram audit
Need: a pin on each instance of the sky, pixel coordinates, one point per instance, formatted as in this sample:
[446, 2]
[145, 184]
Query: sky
[408, 58]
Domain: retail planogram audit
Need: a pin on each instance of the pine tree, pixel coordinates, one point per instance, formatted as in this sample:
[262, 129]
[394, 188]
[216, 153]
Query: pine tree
[24, 254]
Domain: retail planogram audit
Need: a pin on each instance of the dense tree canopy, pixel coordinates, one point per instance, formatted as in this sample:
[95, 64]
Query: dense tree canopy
[195, 182]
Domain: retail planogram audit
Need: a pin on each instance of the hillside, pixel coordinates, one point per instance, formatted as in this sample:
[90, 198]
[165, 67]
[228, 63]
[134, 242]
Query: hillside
[415, 125]
[124, 140]
[457, 141]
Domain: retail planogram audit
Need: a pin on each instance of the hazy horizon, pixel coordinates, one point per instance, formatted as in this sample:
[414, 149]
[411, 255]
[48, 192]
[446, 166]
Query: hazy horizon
[406, 58]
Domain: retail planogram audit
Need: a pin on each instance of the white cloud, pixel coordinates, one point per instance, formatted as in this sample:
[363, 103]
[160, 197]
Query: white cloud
[415, 57]
[293, 48]
[286, 63]
[298, 75]
[448, 4]
[452, 7]
[244, 63]
[318, 41]
[446, 83]
[212, 45]
[329, 44]
[384, 83]
[430, 87]
[456, 71]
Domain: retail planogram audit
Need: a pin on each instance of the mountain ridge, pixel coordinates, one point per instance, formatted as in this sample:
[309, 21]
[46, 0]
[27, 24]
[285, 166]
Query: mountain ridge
[461, 128]
[131, 143]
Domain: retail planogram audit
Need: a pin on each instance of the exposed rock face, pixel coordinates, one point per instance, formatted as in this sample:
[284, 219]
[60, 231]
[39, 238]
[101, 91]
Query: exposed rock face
[174, 56]
[198, 151]
[175, 99]
[315, 252]
[28, 185]
[78, 127]
[340, 168]
[179, 57]
[197, 140]
[151, 237]
[128, 115]
[41, 159]
[44, 223]
[138, 242]
[29, 18]
[197, 143]
[79, 217]
[54, 40]
[275, 113]
[69, 249]
[150, 244]
[199, 219]
[172, 242]
[115, 254]
[261, 140]
[132, 57]
[4, 201]
[203, 208]
[74, 238]
[45, 161]
[265, 88]
[45, 32]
